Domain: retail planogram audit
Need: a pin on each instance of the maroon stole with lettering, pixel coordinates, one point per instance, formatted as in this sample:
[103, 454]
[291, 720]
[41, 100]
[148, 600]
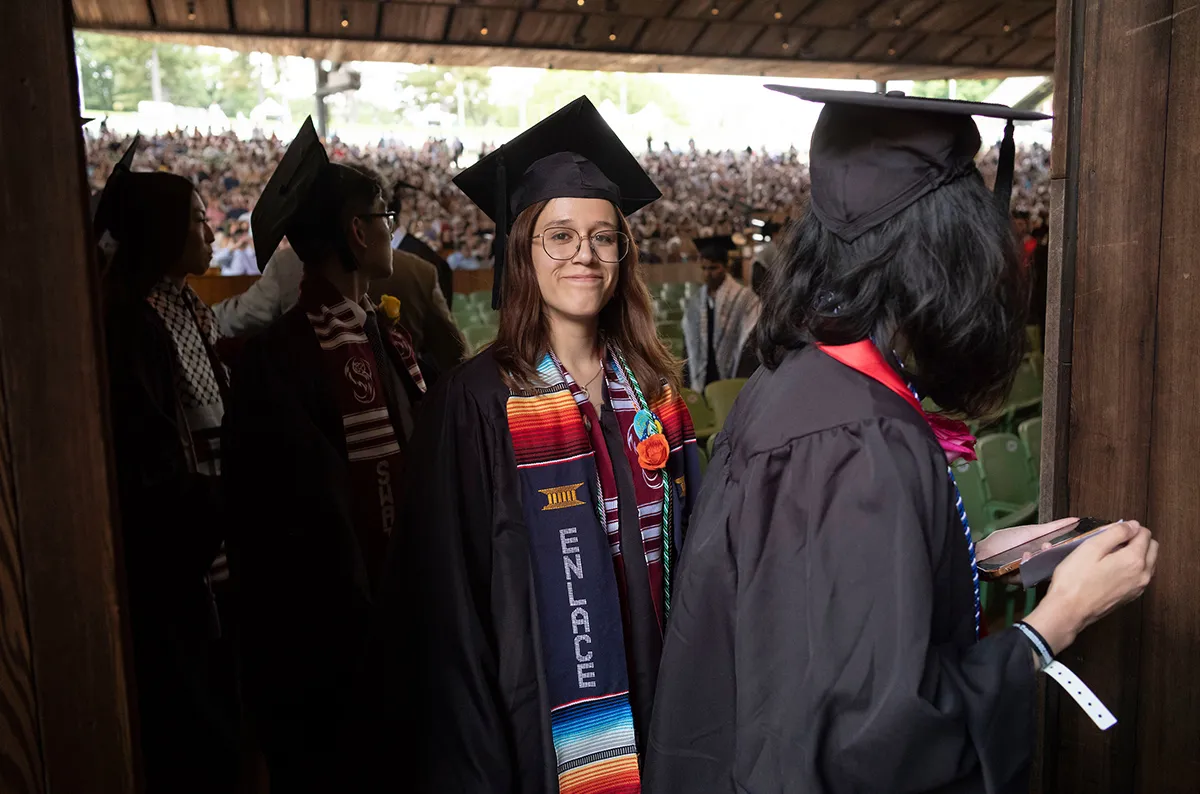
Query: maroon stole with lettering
[372, 448]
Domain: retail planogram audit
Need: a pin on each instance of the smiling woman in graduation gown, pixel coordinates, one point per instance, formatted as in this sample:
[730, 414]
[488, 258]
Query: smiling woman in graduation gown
[825, 634]
[550, 490]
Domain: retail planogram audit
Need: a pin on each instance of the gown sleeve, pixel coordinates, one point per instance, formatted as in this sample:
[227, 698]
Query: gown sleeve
[853, 666]
[435, 651]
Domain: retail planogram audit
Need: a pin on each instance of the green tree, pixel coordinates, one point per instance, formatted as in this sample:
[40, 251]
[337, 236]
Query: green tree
[556, 88]
[967, 90]
[440, 86]
[116, 74]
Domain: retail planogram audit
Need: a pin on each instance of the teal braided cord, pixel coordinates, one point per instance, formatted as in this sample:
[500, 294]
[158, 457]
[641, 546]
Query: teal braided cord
[667, 527]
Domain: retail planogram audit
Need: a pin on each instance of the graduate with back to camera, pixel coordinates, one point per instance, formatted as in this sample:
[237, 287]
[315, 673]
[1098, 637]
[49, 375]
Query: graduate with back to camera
[323, 403]
[825, 636]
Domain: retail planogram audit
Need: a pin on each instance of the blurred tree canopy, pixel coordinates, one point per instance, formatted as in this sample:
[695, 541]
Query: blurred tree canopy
[438, 86]
[116, 74]
[966, 90]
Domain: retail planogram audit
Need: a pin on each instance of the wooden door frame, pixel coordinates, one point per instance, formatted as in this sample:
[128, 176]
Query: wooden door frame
[64, 706]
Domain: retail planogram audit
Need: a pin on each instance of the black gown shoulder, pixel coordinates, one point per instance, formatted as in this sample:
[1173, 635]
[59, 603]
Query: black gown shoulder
[823, 632]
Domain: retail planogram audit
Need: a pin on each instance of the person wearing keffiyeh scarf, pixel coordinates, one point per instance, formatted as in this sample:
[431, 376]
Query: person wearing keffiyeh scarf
[321, 408]
[167, 395]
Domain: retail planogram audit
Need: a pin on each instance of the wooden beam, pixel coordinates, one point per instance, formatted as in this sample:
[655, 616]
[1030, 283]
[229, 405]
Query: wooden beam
[512, 34]
[152, 15]
[1120, 63]
[998, 57]
[307, 17]
[1169, 712]
[695, 39]
[578, 34]
[989, 9]
[378, 19]
[637, 36]
[449, 24]
[923, 37]
[233, 25]
[65, 724]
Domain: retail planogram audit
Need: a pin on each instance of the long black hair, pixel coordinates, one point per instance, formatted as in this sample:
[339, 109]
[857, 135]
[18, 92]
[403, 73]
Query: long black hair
[941, 280]
[149, 217]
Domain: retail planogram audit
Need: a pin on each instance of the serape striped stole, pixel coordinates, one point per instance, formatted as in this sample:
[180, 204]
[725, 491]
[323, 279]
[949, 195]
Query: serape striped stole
[571, 510]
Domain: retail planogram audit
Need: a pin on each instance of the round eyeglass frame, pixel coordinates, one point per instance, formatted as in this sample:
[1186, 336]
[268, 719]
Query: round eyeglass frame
[622, 244]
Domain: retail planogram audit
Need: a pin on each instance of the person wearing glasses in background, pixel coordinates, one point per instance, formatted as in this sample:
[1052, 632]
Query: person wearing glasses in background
[522, 611]
[321, 408]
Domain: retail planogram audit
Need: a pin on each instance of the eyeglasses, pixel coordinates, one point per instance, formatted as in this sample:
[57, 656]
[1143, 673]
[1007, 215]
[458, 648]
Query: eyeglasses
[389, 218]
[562, 244]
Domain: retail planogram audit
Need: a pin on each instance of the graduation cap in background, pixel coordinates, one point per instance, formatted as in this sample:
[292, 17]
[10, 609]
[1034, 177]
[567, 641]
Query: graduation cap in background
[107, 203]
[715, 249]
[287, 191]
[572, 153]
[874, 155]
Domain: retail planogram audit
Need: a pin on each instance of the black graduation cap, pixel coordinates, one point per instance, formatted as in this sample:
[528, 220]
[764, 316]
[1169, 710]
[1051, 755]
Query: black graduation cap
[106, 205]
[85, 120]
[572, 153]
[715, 249]
[873, 155]
[286, 191]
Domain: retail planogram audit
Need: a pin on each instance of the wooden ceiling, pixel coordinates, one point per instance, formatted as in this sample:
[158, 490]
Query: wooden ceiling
[868, 39]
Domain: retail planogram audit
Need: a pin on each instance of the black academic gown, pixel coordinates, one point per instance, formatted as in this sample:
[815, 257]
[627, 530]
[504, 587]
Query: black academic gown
[171, 529]
[415, 245]
[294, 555]
[822, 636]
[461, 701]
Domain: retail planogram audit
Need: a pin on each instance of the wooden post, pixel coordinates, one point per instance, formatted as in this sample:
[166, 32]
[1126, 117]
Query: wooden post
[64, 716]
[1122, 419]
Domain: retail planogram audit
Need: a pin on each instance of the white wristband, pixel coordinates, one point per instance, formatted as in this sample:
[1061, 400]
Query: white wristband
[1082, 695]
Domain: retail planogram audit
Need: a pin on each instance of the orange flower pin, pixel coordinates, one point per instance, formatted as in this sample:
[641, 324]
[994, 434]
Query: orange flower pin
[653, 452]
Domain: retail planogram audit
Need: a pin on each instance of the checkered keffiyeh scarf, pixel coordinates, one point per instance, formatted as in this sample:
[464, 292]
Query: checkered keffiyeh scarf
[200, 377]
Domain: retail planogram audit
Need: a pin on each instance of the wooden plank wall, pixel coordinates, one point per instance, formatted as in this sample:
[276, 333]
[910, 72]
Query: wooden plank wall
[1169, 717]
[1122, 419]
[64, 718]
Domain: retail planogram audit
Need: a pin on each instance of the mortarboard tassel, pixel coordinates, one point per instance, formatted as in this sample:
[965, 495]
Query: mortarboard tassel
[500, 241]
[1004, 168]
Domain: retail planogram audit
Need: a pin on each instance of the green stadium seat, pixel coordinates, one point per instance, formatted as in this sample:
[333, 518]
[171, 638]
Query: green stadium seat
[478, 337]
[1030, 432]
[711, 444]
[703, 418]
[673, 315]
[1010, 477]
[481, 298]
[672, 293]
[721, 395]
[670, 330]
[984, 514]
[702, 453]
[1033, 333]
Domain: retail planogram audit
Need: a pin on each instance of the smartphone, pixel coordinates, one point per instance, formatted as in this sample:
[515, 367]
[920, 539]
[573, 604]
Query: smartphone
[1009, 560]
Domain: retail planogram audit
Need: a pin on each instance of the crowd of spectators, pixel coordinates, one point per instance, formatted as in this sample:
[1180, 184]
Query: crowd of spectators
[704, 192]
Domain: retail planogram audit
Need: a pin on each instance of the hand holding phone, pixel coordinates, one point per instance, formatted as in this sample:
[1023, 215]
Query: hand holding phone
[1035, 551]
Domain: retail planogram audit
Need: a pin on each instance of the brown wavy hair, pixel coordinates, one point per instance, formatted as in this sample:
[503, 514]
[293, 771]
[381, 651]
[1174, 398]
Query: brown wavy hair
[627, 320]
